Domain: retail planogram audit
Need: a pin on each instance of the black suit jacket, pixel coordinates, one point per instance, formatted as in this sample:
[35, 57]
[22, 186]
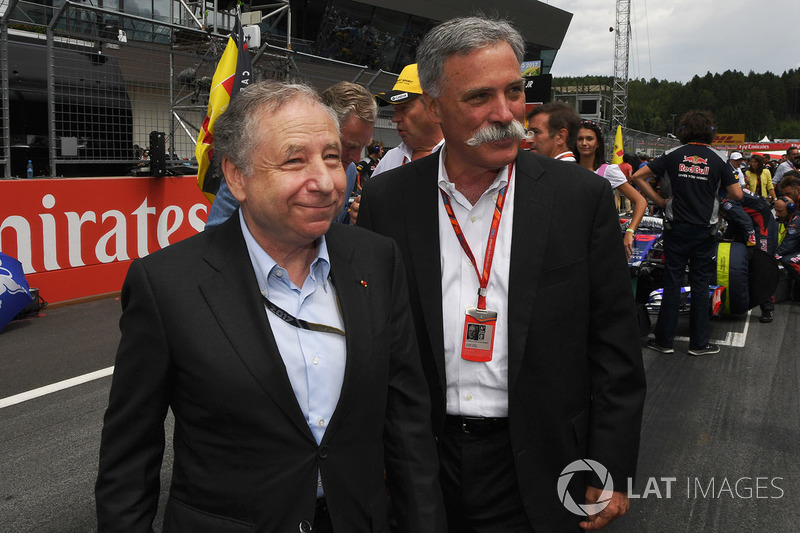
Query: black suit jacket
[575, 375]
[196, 338]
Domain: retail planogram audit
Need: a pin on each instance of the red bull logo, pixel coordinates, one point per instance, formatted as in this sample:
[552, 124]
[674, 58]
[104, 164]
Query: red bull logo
[695, 159]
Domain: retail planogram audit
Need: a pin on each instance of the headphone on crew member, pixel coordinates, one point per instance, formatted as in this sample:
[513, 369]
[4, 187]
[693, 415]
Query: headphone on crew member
[790, 205]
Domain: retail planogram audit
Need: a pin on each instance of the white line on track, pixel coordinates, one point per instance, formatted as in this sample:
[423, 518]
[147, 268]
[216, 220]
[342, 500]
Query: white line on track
[732, 338]
[55, 387]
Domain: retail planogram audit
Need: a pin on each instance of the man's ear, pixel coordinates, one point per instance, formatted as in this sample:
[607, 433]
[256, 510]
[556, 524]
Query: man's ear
[235, 179]
[432, 108]
[562, 137]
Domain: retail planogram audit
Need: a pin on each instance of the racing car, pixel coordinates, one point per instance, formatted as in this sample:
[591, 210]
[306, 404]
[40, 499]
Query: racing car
[744, 276]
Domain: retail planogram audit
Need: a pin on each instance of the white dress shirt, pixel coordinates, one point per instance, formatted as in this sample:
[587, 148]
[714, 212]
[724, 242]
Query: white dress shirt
[397, 157]
[314, 360]
[475, 389]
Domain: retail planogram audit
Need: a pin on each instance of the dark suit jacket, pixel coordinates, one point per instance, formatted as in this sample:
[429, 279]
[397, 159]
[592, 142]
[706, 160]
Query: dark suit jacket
[196, 338]
[575, 376]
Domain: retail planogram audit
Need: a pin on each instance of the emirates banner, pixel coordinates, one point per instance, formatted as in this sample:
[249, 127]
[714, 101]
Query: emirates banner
[76, 237]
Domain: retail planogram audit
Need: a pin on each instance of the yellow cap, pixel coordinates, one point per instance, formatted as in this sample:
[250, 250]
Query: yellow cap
[406, 88]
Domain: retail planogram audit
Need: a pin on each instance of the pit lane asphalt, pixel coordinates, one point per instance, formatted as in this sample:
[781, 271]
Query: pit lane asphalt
[721, 432]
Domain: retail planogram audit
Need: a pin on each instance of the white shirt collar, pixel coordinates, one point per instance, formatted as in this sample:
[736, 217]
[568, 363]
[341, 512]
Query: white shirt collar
[447, 186]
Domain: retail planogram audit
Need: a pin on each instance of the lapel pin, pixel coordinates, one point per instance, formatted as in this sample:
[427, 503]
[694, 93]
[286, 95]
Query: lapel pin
[363, 283]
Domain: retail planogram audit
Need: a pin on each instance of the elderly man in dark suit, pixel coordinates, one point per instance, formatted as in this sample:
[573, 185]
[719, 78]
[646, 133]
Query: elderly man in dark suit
[558, 375]
[283, 345]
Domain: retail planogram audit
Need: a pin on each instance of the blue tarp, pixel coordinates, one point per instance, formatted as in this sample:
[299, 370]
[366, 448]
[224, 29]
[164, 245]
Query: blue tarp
[15, 294]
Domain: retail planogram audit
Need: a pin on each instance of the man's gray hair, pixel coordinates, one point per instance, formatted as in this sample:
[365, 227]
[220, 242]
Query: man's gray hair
[236, 131]
[461, 36]
[346, 97]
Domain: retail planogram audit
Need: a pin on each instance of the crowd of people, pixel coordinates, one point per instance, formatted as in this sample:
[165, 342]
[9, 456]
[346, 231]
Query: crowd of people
[363, 341]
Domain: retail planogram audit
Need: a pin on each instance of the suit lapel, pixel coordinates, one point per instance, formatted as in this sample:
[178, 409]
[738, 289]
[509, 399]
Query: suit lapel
[533, 209]
[421, 197]
[353, 296]
[232, 294]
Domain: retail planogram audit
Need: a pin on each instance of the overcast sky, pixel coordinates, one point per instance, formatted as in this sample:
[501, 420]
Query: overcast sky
[675, 40]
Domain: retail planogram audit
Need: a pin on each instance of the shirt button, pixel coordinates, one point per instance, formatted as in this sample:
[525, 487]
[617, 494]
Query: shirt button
[315, 361]
[279, 273]
[469, 397]
[472, 219]
[321, 422]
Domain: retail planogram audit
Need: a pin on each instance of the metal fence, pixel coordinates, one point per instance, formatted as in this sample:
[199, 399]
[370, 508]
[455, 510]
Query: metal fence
[640, 142]
[89, 85]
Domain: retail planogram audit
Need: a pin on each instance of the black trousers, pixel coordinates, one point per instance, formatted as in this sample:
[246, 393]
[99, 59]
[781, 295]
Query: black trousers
[479, 481]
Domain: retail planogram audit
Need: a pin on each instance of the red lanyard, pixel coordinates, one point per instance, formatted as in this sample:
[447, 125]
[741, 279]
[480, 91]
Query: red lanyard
[489, 255]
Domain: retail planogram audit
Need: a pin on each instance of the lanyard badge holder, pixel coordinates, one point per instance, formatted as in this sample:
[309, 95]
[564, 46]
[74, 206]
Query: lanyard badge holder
[478, 341]
[479, 322]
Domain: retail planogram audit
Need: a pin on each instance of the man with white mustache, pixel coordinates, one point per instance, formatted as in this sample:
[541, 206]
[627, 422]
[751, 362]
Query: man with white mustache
[525, 320]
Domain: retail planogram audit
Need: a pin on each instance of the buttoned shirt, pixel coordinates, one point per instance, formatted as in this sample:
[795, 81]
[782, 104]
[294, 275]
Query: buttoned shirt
[474, 388]
[397, 157]
[782, 169]
[314, 360]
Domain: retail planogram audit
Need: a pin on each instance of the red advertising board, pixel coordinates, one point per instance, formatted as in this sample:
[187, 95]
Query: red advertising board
[76, 237]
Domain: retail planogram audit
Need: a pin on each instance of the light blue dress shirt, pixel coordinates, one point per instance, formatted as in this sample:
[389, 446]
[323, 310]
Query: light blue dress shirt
[314, 360]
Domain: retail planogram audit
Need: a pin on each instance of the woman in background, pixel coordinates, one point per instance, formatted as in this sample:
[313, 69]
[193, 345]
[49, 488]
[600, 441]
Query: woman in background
[759, 179]
[590, 149]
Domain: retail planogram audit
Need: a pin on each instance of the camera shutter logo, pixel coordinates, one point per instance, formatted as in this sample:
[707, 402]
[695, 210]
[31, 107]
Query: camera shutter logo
[585, 465]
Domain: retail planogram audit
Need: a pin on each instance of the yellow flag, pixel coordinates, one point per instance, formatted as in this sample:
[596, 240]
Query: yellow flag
[616, 159]
[234, 72]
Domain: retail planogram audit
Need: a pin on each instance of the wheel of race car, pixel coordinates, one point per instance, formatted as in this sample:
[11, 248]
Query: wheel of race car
[733, 272]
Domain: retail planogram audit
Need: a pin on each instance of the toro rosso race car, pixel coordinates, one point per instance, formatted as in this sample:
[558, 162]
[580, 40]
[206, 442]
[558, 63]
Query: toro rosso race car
[744, 276]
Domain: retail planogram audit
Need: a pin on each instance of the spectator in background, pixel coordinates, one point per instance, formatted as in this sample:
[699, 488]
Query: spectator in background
[356, 109]
[421, 136]
[759, 179]
[785, 205]
[771, 164]
[553, 129]
[791, 163]
[736, 162]
[591, 151]
[790, 185]
[627, 166]
[788, 252]
[419, 133]
[629, 163]
[696, 174]
[366, 166]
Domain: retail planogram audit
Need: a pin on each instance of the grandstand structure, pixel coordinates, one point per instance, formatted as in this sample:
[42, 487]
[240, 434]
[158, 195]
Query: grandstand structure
[85, 82]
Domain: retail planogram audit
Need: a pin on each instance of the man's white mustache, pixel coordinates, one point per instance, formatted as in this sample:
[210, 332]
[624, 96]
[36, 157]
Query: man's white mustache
[497, 132]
